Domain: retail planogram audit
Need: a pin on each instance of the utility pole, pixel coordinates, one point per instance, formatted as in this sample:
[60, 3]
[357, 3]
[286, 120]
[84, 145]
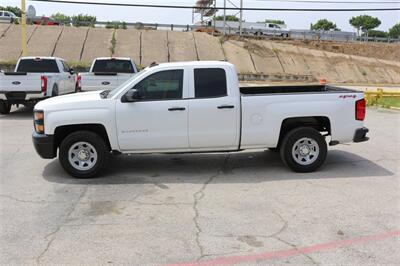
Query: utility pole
[23, 29]
[224, 16]
[241, 17]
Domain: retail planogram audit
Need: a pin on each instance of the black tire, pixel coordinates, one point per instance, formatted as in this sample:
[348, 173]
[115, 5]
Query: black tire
[5, 107]
[312, 141]
[97, 142]
[54, 91]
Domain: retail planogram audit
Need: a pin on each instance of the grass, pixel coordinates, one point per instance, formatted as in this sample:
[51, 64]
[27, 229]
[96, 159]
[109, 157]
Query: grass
[386, 102]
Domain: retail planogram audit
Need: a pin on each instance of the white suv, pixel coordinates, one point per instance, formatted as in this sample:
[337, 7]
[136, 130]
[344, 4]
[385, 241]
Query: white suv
[8, 17]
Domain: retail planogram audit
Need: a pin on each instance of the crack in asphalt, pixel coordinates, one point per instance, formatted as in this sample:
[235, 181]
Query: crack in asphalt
[52, 234]
[197, 196]
[28, 201]
[296, 248]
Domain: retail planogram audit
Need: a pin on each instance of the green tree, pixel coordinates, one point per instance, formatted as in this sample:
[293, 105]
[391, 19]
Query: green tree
[228, 18]
[394, 32]
[275, 21]
[62, 18]
[324, 24]
[377, 33]
[83, 20]
[16, 10]
[364, 23]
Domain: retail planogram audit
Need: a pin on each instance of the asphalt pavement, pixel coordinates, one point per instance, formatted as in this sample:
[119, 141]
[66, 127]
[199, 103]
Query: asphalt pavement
[210, 209]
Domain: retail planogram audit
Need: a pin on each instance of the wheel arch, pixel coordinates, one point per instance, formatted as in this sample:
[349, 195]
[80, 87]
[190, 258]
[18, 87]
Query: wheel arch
[61, 132]
[319, 123]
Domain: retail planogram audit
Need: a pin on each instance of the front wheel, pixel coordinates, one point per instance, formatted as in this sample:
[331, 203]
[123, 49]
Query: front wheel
[83, 154]
[303, 150]
[5, 107]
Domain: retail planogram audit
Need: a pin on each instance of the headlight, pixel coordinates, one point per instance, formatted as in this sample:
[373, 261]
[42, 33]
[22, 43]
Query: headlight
[38, 121]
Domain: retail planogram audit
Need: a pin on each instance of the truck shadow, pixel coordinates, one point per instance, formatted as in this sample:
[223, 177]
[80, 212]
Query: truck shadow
[243, 167]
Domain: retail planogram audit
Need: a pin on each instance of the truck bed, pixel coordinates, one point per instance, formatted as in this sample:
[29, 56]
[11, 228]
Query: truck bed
[256, 90]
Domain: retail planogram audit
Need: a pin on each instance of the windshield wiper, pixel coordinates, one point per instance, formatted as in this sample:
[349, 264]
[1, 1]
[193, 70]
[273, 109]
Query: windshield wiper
[104, 94]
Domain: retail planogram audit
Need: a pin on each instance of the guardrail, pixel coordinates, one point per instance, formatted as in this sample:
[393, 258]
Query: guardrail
[378, 98]
[340, 36]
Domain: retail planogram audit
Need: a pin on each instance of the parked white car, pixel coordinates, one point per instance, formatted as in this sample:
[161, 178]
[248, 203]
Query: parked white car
[196, 107]
[107, 73]
[7, 17]
[34, 79]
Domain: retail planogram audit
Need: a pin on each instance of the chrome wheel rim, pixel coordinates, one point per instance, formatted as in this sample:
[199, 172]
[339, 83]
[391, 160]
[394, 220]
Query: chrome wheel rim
[305, 151]
[82, 156]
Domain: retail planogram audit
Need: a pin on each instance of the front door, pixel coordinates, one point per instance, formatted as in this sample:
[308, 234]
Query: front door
[158, 120]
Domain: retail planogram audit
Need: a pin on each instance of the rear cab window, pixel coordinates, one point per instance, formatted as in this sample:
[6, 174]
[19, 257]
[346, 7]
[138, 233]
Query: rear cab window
[113, 66]
[210, 82]
[38, 66]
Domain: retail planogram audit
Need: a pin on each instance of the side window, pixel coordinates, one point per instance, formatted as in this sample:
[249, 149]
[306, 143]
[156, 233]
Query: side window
[65, 66]
[209, 82]
[6, 14]
[162, 85]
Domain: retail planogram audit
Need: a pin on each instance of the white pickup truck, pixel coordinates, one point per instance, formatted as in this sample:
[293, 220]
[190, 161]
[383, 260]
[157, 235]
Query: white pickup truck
[107, 73]
[34, 79]
[196, 107]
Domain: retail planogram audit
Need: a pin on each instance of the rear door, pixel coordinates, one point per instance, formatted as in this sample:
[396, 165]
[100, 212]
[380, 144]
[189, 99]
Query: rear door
[214, 115]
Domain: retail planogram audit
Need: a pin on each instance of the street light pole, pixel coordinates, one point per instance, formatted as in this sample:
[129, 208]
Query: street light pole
[224, 16]
[241, 17]
[23, 29]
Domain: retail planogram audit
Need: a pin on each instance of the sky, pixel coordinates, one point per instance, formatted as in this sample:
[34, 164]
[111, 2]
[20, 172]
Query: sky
[294, 20]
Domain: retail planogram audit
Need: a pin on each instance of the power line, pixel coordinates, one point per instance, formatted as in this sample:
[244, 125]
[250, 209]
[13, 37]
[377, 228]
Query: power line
[219, 8]
[333, 2]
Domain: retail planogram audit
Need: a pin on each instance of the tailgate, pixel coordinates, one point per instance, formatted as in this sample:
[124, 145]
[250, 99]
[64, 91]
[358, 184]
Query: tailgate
[122, 77]
[92, 81]
[20, 82]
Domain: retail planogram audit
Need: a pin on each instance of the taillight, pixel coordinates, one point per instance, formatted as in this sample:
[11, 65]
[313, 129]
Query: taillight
[78, 83]
[360, 109]
[44, 83]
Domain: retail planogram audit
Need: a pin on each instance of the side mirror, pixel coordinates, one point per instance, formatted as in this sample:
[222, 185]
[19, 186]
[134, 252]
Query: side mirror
[71, 71]
[131, 96]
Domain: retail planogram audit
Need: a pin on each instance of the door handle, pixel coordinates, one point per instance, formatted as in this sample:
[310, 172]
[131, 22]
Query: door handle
[176, 109]
[225, 106]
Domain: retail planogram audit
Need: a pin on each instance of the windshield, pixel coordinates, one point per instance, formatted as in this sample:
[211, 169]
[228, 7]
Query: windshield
[113, 65]
[126, 83]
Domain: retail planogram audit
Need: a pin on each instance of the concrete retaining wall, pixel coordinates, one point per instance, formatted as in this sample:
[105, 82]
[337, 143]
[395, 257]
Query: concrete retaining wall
[44, 40]
[181, 46]
[128, 44]
[154, 47]
[70, 44]
[10, 43]
[98, 43]
[253, 58]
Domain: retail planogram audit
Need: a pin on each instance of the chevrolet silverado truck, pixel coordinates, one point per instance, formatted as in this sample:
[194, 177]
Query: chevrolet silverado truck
[34, 79]
[107, 73]
[196, 107]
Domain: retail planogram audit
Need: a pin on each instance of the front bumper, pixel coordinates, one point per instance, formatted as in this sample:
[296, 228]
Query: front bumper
[44, 145]
[361, 135]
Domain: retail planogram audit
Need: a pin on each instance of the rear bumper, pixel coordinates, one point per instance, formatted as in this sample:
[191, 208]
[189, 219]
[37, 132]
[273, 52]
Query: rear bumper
[15, 97]
[361, 135]
[44, 145]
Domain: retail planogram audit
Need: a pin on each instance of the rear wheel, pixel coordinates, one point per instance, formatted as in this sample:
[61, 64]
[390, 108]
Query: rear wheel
[5, 107]
[83, 154]
[303, 149]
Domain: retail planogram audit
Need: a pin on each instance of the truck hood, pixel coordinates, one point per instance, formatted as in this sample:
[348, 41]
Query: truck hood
[72, 101]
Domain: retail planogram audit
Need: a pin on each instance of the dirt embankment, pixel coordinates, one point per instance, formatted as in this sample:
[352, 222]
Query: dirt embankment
[376, 50]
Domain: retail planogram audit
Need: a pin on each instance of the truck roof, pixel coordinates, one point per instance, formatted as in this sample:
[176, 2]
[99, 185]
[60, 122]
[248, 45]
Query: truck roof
[196, 63]
[41, 57]
[110, 58]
